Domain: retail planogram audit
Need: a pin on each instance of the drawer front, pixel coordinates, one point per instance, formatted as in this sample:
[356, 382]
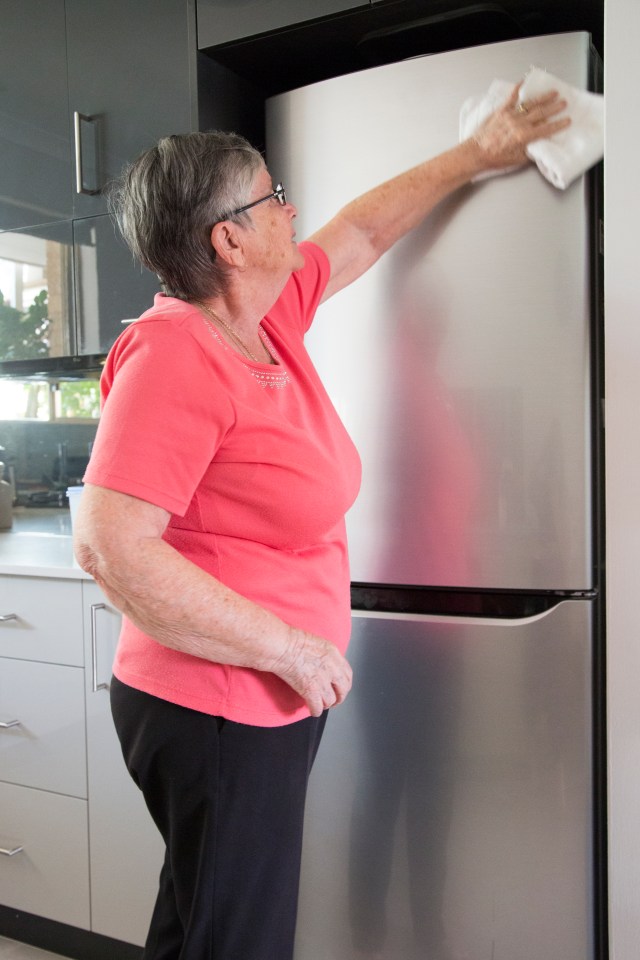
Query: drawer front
[42, 726]
[41, 619]
[49, 876]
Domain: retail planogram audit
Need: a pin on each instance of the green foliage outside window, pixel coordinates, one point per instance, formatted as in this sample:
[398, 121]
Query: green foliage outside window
[60, 400]
[77, 400]
[24, 335]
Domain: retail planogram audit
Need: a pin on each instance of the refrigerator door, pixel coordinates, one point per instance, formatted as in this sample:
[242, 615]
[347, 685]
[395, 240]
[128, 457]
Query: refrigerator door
[461, 362]
[449, 811]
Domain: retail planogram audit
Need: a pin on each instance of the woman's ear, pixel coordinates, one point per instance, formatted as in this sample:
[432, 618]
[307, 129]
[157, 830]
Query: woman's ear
[226, 240]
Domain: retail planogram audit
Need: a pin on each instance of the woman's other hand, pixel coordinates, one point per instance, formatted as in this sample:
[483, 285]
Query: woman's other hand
[502, 139]
[315, 669]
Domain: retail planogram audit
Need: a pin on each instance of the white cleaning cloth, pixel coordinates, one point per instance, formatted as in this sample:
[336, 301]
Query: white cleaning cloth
[567, 154]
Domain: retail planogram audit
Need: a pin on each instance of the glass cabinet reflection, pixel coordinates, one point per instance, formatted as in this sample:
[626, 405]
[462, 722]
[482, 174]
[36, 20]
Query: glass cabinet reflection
[36, 292]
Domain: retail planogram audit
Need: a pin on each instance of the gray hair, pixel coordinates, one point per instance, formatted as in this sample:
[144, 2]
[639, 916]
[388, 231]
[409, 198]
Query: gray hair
[166, 202]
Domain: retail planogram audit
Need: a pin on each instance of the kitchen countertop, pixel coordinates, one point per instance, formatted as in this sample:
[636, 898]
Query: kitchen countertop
[39, 545]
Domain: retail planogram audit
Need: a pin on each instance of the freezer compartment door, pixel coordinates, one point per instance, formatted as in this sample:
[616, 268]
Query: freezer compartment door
[460, 362]
[450, 812]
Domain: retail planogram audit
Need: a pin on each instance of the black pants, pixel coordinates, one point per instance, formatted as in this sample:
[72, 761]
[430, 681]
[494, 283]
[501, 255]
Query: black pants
[228, 800]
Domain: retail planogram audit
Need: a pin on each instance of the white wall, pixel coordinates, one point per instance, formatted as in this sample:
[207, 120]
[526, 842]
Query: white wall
[622, 344]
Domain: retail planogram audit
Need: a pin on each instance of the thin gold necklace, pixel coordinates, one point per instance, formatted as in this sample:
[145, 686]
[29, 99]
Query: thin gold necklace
[234, 336]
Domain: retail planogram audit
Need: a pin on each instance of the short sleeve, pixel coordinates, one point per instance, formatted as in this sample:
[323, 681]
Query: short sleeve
[164, 416]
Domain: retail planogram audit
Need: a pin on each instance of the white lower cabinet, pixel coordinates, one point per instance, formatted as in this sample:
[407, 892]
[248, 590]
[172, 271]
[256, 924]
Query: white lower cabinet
[44, 866]
[42, 727]
[126, 850]
[44, 850]
[41, 619]
[77, 844]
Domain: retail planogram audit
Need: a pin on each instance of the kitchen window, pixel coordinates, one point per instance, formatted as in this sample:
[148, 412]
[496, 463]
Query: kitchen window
[61, 401]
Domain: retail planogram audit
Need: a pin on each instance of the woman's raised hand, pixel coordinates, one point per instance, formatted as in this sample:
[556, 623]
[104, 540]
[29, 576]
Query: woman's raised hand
[504, 136]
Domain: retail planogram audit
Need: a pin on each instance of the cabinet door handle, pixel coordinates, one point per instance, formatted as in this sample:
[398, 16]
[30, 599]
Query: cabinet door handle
[10, 851]
[5, 724]
[95, 686]
[8, 616]
[78, 120]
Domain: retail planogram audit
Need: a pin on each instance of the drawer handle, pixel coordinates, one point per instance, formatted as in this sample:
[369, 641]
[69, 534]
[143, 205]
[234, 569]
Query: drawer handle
[5, 724]
[95, 686]
[10, 851]
[8, 616]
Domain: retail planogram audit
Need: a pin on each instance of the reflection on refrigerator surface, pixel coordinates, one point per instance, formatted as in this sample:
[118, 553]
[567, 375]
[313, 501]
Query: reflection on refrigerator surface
[404, 787]
[449, 815]
[432, 474]
[404, 782]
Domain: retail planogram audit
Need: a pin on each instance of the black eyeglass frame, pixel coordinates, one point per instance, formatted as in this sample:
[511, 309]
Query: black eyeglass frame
[278, 194]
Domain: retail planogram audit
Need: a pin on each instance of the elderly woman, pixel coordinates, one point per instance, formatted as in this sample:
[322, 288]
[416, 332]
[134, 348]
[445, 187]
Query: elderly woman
[213, 515]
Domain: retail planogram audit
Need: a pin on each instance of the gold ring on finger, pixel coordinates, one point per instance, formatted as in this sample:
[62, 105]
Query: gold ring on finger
[522, 108]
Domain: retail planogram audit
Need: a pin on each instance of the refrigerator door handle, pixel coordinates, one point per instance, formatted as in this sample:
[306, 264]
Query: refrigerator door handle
[459, 619]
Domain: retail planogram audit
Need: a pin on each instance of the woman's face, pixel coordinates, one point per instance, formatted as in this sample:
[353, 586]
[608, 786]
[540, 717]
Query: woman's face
[271, 246]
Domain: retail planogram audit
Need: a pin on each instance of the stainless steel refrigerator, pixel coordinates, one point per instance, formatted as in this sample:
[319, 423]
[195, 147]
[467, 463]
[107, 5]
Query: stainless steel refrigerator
[451, 810]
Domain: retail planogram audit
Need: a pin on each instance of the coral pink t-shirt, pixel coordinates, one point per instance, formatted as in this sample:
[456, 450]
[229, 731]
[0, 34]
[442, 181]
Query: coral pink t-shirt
[257, 470]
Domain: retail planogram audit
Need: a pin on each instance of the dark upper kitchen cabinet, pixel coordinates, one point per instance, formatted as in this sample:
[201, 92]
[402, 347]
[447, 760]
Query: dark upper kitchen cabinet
[222, 21]
[35, 146]
[279, 45]
[110, 287]
[131, 73]
[84, 88]
[74, 282]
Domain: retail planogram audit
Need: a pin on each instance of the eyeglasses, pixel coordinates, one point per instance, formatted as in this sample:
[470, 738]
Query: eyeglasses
[278, 194]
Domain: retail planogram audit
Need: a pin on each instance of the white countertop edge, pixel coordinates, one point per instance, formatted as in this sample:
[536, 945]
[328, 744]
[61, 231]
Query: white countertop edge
[40, 545]
[62, 572]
